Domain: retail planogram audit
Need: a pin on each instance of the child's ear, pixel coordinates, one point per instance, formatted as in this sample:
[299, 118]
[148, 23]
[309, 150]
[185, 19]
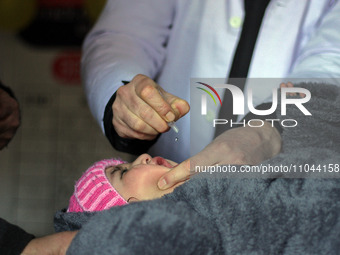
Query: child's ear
[132, 200]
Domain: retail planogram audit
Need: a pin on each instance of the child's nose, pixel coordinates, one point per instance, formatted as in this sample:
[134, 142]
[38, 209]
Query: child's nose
[145, 158]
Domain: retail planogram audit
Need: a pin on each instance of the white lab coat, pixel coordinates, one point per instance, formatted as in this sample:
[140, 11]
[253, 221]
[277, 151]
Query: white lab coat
[298, 38]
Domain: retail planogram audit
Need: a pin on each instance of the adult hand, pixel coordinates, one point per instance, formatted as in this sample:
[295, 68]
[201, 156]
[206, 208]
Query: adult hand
[142, 109]
[55, 244]
[9, 118]
[238, 146]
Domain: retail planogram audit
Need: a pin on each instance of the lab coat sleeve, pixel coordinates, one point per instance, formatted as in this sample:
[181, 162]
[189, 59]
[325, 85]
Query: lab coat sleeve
[320, 56]
[128, 39]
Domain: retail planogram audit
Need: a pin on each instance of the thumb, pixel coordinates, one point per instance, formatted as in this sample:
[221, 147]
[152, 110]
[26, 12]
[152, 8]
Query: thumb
[179, 173]
[179, 105]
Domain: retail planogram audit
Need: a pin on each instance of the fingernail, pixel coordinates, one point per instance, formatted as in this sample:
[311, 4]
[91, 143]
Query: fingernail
[170, 116]
[162, 184]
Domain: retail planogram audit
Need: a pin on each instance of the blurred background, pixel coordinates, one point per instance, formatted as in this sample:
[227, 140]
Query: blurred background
[40, 49]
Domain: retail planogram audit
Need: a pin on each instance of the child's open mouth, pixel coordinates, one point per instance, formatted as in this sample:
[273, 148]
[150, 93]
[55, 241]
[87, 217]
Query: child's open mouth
[162, 162]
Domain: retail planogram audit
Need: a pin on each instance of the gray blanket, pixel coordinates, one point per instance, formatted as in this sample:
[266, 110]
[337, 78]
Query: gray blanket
[233, 215]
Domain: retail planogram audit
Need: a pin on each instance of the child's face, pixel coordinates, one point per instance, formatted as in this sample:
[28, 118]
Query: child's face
[138, 180]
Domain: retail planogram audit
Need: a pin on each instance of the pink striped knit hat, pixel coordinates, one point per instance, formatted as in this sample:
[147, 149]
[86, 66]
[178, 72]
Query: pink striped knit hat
[93, 191]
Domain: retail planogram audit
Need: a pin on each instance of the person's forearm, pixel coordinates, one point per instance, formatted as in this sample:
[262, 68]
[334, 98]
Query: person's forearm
[250, 145]
[56, 244]
[123, 43]
[238, 146]
[271, 140]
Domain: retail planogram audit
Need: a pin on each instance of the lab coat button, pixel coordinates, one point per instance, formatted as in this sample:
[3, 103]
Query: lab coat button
[235, 22]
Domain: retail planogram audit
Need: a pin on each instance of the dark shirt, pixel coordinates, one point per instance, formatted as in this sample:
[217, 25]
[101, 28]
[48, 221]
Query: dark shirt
[13, 239]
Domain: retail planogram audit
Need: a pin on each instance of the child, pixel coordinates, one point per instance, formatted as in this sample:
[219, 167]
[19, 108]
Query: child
[113, 182]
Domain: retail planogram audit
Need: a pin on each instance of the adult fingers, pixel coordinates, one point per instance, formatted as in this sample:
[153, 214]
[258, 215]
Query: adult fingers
[134, 112]
[178, 174]
[128, 125]
[178, 105]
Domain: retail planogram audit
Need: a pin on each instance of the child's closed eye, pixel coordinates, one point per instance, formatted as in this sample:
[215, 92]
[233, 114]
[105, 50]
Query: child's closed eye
[123, 172]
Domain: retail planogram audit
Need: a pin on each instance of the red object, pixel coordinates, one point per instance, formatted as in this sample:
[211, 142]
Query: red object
[66, 67]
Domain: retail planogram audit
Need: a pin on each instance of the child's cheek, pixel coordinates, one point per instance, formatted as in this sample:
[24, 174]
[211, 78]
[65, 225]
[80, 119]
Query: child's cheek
[144, 177]
[136, 181]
